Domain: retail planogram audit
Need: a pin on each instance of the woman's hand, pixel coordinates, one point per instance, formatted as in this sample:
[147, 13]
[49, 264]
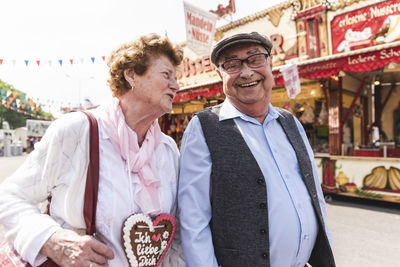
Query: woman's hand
[67, 248]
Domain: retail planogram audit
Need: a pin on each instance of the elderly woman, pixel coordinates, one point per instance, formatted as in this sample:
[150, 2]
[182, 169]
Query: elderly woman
[138, 166]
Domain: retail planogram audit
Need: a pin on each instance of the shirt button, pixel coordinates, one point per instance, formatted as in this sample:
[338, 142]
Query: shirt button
[263, 231]
[306, 237]
[260, 181]
[264, 255]
[263, 206]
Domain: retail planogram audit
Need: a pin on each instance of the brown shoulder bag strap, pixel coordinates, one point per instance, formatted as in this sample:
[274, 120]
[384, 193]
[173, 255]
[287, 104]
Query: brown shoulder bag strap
[92, 180]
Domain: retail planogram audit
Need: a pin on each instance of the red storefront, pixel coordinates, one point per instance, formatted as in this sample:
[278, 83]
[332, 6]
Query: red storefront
[360, 82]
[348, 65]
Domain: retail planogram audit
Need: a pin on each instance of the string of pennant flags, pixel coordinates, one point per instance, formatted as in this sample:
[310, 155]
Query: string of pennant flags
[18, 102]
[30, 114]
[50, 62]
[23, 104]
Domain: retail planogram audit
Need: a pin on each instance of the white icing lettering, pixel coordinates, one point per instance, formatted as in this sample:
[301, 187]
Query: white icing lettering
[146, 261]
[146, 250]
[141, 238]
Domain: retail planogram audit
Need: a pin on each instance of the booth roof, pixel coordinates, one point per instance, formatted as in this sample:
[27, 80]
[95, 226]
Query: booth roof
[361, 60]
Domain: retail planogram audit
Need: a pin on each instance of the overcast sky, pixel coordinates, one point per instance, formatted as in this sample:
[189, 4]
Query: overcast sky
[80, 29]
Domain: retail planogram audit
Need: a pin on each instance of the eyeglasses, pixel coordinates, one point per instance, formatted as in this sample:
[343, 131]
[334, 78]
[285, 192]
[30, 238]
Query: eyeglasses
[253, 61]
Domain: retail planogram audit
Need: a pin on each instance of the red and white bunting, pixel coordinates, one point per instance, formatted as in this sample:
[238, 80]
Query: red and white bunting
[91, 60]
[292, 81]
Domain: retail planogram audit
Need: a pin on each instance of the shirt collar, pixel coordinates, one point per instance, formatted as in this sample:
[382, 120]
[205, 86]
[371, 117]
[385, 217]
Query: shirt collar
[228, 111]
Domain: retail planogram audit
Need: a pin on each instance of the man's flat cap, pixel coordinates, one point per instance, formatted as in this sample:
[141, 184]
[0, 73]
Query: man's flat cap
[253, 37]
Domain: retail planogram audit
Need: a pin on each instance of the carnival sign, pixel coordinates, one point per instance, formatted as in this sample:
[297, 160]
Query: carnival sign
[37, 127]
[292, 81]
[368, 26]
[200, 29]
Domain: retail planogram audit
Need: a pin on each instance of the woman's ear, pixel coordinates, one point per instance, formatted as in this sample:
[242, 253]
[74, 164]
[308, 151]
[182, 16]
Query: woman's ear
[129, 75]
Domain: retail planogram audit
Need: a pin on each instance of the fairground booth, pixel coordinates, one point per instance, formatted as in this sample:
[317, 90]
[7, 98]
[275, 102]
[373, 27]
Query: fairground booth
[348, 58]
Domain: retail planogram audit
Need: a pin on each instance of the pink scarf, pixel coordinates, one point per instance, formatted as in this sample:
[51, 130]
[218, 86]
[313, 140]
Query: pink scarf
[125, 141]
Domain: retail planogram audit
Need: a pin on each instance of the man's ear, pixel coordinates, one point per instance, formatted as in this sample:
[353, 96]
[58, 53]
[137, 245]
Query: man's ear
[129, 75]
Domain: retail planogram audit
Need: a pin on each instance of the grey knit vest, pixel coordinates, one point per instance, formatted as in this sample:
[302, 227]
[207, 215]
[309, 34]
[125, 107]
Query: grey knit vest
[239, 199]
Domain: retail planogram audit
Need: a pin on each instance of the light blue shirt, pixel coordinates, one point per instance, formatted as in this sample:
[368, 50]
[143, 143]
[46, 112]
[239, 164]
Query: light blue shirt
[292, 221]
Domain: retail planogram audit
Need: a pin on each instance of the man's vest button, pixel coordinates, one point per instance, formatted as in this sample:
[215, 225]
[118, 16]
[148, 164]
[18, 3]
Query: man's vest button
[260, 181]
[265, 255]
[263, 206]
[263, 231]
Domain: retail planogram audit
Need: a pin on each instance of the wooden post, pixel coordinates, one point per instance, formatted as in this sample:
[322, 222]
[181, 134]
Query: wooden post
[364, 121]
[354, 100]
[378, 106]
[335, 116]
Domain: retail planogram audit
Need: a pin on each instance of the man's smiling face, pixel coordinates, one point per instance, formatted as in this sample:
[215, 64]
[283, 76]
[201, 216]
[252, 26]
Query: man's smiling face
[250, 87]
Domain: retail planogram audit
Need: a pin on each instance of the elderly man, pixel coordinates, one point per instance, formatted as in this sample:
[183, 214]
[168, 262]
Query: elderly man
[249, 193]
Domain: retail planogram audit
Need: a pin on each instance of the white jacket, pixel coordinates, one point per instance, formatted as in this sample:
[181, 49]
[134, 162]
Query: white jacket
[58, 166]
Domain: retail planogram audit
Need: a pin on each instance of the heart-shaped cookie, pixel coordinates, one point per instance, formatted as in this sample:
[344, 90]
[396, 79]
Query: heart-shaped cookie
[146, 241]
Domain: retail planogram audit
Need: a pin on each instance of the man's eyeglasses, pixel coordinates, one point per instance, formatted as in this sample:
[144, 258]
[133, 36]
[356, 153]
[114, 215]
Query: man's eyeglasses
[253, 61]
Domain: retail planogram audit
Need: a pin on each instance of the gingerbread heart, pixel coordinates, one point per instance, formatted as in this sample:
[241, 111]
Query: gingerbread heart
[146, 241]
